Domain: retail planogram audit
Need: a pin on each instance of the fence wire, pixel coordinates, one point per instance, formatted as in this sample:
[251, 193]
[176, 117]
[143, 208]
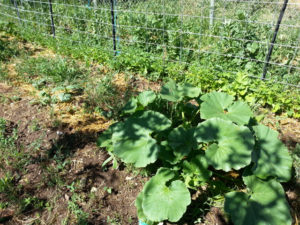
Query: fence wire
[221, 35]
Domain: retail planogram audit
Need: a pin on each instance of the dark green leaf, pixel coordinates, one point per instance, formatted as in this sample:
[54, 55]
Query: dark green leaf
[271, 157]
[265, 204]
[182, 141]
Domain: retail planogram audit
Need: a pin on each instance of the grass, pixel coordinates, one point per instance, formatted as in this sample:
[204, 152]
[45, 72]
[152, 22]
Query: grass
[3, 72]
[54, 71]
[146, 50]
[145, 47]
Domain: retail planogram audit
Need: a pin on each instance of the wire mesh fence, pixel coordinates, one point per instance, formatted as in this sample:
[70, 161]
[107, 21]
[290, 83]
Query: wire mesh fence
[223, 35]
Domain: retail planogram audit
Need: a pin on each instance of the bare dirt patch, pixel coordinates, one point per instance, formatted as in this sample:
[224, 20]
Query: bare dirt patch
[64, 172]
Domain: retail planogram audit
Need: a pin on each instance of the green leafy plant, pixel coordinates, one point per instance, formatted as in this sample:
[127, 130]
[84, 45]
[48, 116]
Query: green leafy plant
[189, 144]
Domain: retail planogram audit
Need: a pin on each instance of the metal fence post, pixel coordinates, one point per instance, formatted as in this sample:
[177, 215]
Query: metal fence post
[211, 13]
[17, 10]
[95, 4]
[113, 21]
[51, 15]
[282, 11]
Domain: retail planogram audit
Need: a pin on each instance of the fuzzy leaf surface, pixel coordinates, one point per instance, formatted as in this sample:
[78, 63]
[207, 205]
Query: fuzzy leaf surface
[231, 145]
[222, 105]
[271, 157]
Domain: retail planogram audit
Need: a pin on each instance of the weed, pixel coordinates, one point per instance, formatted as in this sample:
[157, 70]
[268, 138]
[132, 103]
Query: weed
[7, 185]
[106, 97]
[73, 205]
[113, 220]
[108, 190]
[34, 126]
[3, 72]
[3, 205]
[11, 153]
[31, 203]
[57, 123]
[8, 49]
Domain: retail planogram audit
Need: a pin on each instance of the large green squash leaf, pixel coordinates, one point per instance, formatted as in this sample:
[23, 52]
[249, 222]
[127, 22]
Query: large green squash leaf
[146, 97]
[130, 106]
[271, 157]
[176, 92]
[105, 138]
[231, 144]
[164, 201]
[182, 141]
[265, 204]
[220, 105]
[153, 121]
[140, 151]
[132, 141]
[140, 211]
[166, 154]
[188, 90]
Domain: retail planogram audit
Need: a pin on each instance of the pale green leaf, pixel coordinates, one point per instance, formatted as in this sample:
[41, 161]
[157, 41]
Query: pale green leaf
[188, 90]
[140, 212]
[64, 97]
[132, 142]
[222, 105]
[140, 151]
[170, 92]
[164, 201]
[151, 120]
[176, 92]
[146, 98]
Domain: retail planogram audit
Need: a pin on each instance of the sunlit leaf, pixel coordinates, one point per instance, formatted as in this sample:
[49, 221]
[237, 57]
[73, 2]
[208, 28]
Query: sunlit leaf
[146, 97]
[165, 200]
[176, 92]
[231, 145]
[221, 105]
[132, 141]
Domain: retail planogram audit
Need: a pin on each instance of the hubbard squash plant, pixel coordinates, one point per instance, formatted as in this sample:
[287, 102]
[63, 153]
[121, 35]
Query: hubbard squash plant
[189, 136]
